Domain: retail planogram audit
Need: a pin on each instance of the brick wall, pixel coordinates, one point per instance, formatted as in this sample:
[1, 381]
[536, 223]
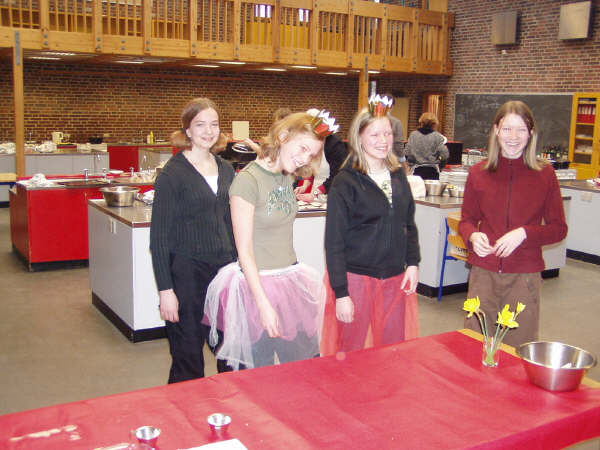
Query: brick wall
[538, 63]
[87, 100]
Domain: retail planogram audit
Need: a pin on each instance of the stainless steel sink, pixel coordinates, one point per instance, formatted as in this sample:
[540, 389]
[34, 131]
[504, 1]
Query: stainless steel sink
[93, 182]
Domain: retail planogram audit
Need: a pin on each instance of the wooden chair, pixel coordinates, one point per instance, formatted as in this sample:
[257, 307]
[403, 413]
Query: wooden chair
[459, 250]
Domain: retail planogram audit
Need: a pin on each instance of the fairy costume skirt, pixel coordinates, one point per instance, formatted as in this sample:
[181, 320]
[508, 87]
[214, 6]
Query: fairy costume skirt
[383, 314]
[296, 293]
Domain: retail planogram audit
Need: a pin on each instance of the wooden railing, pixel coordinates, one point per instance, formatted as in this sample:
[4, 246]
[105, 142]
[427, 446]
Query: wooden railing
[325, 33]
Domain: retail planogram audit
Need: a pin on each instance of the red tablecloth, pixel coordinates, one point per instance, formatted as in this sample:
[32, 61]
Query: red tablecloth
[430, 392]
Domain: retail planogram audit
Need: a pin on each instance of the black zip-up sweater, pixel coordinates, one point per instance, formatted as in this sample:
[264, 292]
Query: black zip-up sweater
[364, 234]
[189, 219]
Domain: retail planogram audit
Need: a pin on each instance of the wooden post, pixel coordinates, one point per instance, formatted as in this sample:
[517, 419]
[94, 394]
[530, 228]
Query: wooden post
[147, 25]
[193, 21]
[97, 24]
[19, 104]
[363, 87]
[276, 28]
[237, 27]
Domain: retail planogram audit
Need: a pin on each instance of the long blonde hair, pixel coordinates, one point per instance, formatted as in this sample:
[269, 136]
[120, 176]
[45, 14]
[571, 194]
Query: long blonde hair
[529, 153]
[361, 120]
[285, 129]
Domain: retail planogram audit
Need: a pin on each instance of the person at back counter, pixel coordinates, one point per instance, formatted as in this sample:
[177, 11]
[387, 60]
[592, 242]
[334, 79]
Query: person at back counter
[426, 148]
[512, 207]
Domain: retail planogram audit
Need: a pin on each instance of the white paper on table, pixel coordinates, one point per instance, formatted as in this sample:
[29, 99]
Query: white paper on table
[230, 444]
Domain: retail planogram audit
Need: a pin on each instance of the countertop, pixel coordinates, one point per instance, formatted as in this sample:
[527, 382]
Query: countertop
[68, 151]
[94, 183]
[447, 202]
[580, 185]
[139, 215]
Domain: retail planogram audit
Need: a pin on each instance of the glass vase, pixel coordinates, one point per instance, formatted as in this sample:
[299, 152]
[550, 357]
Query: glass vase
[491, 352]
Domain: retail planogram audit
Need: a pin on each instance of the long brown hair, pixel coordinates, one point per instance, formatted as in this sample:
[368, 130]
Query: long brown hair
[529, 153]
[180, 139]
[285, 129]
[361, 120]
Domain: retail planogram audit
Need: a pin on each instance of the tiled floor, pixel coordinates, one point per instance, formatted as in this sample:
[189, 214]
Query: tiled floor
[56, 347]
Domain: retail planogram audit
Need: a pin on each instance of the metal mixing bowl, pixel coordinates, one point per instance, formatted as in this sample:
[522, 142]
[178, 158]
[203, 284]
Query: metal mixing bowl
[456, 192]
[555, 366]
[119, 195]
[434, 187]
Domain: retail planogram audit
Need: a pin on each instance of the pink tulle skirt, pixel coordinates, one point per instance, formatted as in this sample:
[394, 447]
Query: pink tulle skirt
[383, 314]
[296, 293]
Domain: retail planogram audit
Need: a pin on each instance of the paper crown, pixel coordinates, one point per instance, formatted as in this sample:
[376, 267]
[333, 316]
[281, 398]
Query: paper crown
[379, 106]
[322, 124]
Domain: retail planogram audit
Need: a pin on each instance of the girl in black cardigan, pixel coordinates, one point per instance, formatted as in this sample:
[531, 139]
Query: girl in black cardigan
[191, 235]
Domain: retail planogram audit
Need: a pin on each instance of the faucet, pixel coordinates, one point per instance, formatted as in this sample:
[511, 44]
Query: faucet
[86, 173]
[131, 173]
[105, 172]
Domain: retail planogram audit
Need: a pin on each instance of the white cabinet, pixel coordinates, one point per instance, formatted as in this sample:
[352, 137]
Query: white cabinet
[66, 164]
[151, 158]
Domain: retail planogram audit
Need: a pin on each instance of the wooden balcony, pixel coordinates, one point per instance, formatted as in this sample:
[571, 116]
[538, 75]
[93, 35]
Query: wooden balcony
[337, 34]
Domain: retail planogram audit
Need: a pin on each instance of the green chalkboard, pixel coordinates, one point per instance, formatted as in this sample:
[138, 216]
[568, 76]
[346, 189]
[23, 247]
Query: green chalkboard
[474, 114]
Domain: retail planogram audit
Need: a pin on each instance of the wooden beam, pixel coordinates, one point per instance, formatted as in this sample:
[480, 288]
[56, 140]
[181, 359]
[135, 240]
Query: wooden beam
[147, 25]
[19, 104]
[97, 24]
[193, 21]
[363, 87]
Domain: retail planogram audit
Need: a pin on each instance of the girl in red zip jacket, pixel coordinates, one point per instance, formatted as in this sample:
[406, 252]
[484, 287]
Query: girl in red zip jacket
[512, 207]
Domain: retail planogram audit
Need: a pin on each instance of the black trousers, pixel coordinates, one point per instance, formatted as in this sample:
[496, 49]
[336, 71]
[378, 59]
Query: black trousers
[188, 336]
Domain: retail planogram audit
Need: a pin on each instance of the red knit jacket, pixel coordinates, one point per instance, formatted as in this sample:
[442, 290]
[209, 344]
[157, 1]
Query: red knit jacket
[511, 197]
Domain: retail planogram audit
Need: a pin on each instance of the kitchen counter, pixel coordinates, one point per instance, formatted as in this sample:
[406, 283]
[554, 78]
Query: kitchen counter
[580, 185]
[121, 275]
[430, 216]
[583, 239]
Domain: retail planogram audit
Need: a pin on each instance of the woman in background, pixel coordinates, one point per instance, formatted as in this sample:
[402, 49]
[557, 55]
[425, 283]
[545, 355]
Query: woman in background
[427, 148]
[191, 235]
[371, 243]
[267, 303]
[512, 207]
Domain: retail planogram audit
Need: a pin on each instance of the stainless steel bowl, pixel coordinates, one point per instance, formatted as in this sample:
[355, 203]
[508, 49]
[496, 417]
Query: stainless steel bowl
[148, 435]
[456, 192]
[555, 366]
[119, 195]
[434, 187]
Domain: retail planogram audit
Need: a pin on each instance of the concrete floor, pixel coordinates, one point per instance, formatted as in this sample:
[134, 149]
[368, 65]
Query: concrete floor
[55, 347]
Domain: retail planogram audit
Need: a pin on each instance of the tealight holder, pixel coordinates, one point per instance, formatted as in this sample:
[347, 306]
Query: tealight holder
[219, 423]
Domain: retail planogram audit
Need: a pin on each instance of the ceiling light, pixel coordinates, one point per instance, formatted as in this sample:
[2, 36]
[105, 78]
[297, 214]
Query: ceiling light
[130, 62]
[274, 69]
[336, 73]
[304, 67]
[49, 58]
[210, 66]
[233, 63]
[374, 71]
[60, 53]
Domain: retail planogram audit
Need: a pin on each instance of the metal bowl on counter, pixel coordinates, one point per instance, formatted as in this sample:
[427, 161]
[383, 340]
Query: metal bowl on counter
[119, 195]
[434, 187]
[555, 366]
[456, 191]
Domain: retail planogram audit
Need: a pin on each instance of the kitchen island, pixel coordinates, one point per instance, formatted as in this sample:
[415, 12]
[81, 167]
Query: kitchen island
[583, 240]
[48, 224]
[121, 276]
[430, 216]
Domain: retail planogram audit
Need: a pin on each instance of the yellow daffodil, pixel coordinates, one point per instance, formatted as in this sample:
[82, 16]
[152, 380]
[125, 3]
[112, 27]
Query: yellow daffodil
[507, 318]
[471, 305]
[520, 308]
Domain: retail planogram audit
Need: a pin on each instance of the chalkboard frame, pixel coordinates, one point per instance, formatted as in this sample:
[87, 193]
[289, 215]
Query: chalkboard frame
[474, 114]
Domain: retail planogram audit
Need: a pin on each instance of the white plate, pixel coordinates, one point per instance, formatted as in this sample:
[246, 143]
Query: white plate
[302, 203]
[115, 172]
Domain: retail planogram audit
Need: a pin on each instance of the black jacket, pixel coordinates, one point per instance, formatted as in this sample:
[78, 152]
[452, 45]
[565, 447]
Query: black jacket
[364, 234]
[335, 151]
[189, 219]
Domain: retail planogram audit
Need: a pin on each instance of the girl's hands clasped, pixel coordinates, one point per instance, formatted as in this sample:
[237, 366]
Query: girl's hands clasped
[481, 244]
[509, 242]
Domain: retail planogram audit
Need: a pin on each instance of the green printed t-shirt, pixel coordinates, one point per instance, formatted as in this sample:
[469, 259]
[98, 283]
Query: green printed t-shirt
[275, 208]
